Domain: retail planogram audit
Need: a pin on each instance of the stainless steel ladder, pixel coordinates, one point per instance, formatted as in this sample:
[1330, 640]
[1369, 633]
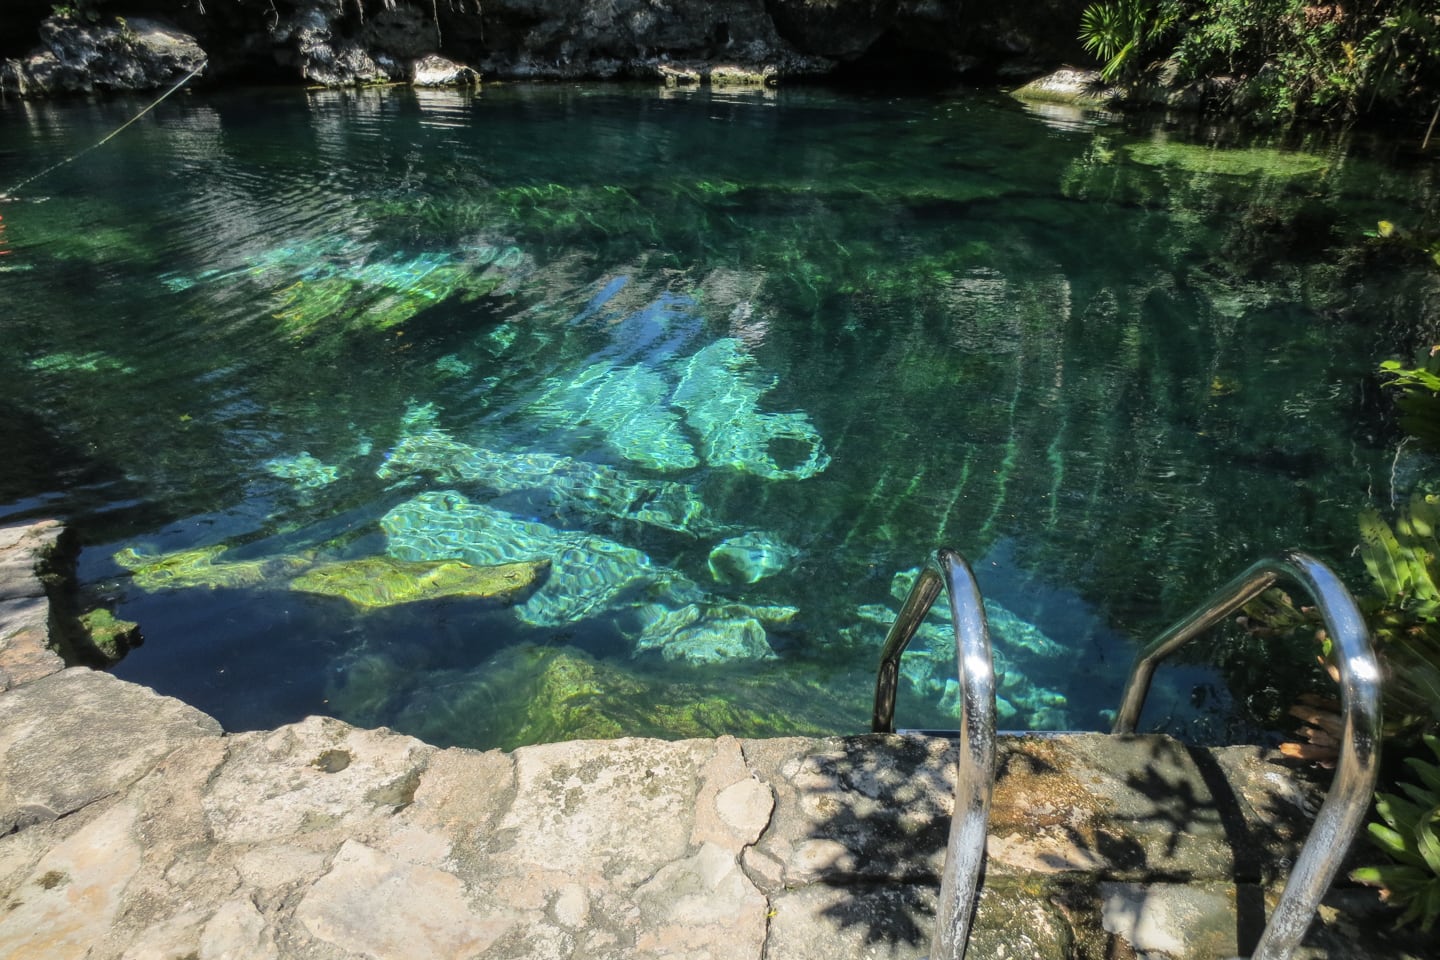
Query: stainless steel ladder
[1340, 816]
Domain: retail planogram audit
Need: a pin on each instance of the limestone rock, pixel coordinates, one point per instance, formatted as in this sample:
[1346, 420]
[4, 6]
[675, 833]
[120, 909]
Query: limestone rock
[25, 649]
[109, 637]
[1069, 85]
[434, 70]
[311, 41]
[69, 739]
[118, 54]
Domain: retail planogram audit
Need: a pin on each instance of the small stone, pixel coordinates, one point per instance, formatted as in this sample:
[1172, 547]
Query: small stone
[434, 70]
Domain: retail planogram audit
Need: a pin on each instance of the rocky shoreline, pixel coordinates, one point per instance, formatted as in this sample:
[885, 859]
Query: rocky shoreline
[116, 45]
[131, 825]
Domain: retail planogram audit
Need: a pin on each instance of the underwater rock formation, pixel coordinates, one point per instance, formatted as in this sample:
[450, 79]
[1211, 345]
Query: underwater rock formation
[305, 471]
[658, 608]
[720, 396]
[107, 636]
[368, 582]
[628, 398]
[627, 406]
[749, 558]
[569, 486]
[200, 567]
[1021, 653]
[335, 286]
[529, 694]
[373, 582]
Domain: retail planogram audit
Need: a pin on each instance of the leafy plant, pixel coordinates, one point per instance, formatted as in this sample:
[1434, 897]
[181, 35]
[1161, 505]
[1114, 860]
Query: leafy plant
[1286, 57]
[1410, 835]
[1404, 609]
[1119, 31]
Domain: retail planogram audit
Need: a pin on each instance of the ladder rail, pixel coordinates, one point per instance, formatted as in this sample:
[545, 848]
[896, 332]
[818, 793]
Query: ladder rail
[975, 763]
[1348, 800]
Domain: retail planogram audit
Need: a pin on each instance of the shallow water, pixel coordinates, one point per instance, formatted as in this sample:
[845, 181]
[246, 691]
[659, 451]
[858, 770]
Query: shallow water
[734, 365]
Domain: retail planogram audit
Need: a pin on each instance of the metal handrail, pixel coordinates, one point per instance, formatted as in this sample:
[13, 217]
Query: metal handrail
[975, 765]
[1348, 799]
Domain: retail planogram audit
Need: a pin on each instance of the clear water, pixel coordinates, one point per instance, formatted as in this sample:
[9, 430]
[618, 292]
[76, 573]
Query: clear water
[733, 365]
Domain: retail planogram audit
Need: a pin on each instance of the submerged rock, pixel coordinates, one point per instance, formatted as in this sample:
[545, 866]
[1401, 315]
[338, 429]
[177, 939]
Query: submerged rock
[108, 636]
[659, 609]
[540, 694]
[369, 582]
[588, 573]
[570, 485]
[1024, 660]
[708, 633]
[749, 558]
[720, 394]
[1242, 162]
[199, 567]
[626, 407]
[373, 582]
[306, 471]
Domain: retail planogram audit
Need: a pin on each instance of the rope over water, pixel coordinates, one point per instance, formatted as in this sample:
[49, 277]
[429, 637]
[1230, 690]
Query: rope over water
[10, 194]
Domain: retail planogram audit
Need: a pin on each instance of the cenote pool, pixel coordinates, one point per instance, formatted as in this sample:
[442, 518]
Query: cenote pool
[714, 373]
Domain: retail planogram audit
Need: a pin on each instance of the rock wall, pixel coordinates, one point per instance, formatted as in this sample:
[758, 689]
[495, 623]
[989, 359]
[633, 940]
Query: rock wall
[50, 48]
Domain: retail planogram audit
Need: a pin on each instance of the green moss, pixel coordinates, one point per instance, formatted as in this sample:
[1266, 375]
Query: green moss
[529, 694]
[199, 568]
[1250, 162]
[374, 582]
[109, 635]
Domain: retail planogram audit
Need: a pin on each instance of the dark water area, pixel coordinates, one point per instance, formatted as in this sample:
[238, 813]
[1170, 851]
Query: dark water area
[733, 365]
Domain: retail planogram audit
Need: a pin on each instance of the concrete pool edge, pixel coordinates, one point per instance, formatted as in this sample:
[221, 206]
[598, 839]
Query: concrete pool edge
[132, 825]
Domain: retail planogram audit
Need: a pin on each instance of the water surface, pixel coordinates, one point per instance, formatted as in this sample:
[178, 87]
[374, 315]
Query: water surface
[734, 365]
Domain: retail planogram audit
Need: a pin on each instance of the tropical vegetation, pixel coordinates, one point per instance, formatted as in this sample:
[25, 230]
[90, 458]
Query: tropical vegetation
[1279, 58]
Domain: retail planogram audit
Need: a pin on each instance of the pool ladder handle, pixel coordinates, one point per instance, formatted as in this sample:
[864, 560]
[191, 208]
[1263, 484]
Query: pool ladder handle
[1340, 816]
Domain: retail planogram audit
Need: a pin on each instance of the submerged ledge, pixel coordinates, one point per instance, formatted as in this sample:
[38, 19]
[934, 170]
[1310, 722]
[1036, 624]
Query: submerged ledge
[131, 824]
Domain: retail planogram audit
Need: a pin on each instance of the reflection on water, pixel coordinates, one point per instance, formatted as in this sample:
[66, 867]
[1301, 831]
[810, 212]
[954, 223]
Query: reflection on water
[722, 370]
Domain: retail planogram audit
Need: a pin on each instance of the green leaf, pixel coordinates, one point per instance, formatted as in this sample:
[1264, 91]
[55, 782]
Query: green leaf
[1427, 839]
[1428, 773]
[1400, 813]
[1381, 552]
[1394, 844]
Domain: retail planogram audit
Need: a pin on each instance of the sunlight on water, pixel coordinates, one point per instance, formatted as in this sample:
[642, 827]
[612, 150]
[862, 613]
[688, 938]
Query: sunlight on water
[718, 374]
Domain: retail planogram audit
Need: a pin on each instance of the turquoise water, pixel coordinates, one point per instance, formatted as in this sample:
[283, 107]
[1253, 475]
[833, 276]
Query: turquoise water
[734, 365]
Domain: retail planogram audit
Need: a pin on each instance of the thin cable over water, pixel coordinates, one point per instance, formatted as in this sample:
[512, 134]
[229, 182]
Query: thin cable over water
[10, 194]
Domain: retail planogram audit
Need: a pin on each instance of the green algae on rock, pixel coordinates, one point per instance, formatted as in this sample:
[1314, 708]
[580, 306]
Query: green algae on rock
[542, 694]
[373, 582]
[369, 582]
[109, 636]
[199, 567]
[1246, 162]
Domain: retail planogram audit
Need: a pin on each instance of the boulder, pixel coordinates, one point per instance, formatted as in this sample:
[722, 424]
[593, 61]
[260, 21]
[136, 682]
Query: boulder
[311, 42]
[433, 70]
[1082, 88]
[118, 54]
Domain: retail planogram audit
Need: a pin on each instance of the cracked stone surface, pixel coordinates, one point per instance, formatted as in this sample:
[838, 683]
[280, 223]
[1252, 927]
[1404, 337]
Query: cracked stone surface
[134, 827]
